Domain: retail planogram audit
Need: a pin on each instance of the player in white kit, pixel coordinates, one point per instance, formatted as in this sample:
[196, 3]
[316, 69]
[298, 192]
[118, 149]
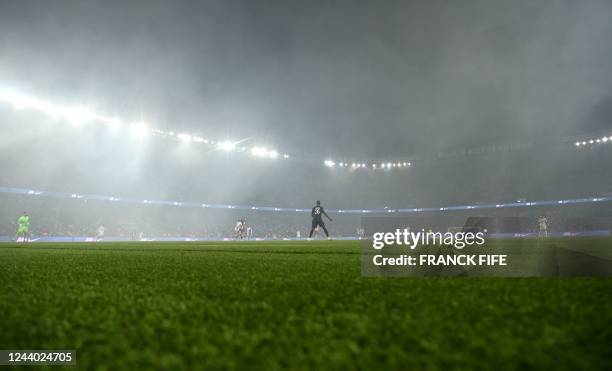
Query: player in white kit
[240, 229]
[543, 226]
[100, 233]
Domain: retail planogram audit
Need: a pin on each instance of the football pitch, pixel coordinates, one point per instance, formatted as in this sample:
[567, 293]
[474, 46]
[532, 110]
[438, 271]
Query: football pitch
[290, 305]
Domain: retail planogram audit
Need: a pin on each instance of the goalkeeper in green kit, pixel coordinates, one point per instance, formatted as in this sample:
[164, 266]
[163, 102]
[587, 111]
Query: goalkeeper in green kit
[24, 226]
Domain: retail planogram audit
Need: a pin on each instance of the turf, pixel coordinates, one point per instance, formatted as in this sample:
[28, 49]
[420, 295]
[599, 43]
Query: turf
[300, 305]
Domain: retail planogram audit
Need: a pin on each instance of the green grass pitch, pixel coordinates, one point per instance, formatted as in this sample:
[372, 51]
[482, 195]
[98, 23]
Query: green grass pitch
[289, 305]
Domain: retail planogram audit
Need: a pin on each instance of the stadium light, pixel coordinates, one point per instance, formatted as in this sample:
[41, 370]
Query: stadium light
[263, 152]
[139, 129]
[258, 151]
[18, 101]
[114, 123]
[78, 115]
[329, 163]
[226, 146]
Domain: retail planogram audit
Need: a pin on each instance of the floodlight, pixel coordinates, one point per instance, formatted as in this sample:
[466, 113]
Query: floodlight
[604, 139]
[285, 156]
[139, 128]
[591, 141]
[114, 123]
[329, 163]
[78, 114]
[226, 146]
[273, 154]
[48, 108]
[258, 151]
[18, 101]
[577, 144]
[198, 139]
[374, 166]
[185, 137]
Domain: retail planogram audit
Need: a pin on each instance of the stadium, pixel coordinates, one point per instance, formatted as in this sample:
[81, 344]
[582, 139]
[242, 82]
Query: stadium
[306, 185]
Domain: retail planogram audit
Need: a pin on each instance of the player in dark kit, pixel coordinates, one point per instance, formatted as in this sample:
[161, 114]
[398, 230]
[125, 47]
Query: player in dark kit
[317, 219]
